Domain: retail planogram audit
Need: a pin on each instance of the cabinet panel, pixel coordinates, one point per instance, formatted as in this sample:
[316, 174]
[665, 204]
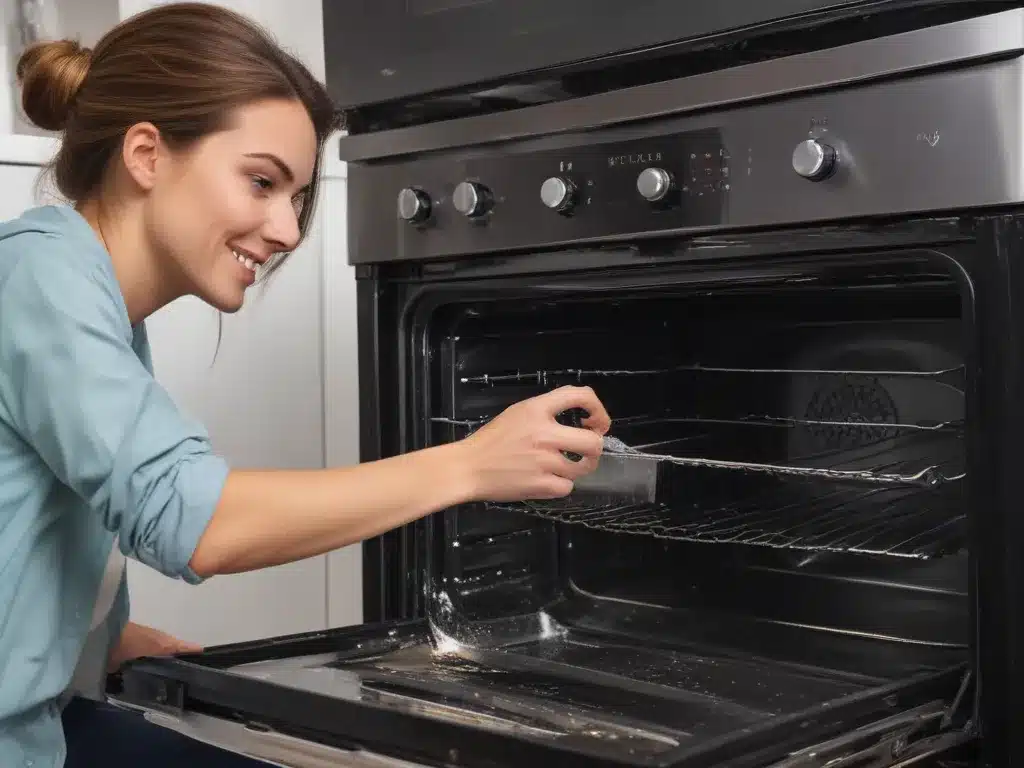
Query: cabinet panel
[341, 390]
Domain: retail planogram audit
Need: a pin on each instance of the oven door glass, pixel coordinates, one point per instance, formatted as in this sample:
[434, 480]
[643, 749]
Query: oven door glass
[796, 592]
[393, 49]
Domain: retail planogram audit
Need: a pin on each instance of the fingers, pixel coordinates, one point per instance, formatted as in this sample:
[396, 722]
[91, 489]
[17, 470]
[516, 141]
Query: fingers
[564, 398]
[171, 645]
[573, 470]
[580, 441]
[599, 423]
[555, 487]
[562, 466]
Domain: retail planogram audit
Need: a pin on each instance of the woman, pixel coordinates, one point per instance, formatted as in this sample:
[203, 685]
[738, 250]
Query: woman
[190, 153]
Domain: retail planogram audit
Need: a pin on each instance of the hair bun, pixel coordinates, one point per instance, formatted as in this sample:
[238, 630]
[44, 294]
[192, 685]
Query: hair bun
[50, 74]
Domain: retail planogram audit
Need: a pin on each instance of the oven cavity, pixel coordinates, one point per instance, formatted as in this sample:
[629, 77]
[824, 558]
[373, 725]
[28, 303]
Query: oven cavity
[808, 416]
[807, 540]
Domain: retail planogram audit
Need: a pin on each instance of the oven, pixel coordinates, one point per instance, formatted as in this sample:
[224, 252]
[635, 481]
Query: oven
[393, 49]
[394, 62]
[807, 307]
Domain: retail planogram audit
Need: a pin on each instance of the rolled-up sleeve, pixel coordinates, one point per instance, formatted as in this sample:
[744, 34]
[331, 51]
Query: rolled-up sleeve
[74, 389]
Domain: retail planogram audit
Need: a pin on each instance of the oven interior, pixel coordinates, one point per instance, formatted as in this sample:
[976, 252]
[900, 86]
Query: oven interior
[745, 596]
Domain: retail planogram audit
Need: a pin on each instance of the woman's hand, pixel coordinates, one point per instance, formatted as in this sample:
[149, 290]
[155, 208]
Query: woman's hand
[266, 518]
[519, 454]
[138, 641]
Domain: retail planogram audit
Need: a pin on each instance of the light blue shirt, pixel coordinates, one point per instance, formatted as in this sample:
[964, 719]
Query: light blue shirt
[92, 451]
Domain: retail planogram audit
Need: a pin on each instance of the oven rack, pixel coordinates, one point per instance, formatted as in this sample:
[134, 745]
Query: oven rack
[905, 523]
[558, 376]
[930, 468]
[468, 425]
[929, 476]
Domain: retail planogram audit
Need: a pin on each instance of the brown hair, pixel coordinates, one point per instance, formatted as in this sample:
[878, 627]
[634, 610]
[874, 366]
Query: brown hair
[183, 67]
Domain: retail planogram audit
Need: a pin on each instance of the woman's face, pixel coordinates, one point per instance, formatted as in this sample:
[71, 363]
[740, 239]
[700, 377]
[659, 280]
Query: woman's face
[230, 202]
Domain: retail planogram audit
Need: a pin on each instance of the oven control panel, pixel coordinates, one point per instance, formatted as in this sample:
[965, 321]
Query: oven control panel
[686, 178]
[571, 194]
[885, 149]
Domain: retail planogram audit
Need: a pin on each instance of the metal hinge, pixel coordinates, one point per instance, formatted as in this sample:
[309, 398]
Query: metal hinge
[895, 742]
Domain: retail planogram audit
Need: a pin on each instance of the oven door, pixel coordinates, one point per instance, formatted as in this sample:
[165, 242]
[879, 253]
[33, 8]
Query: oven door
[534, 638]
[396, 49]
[359, 698]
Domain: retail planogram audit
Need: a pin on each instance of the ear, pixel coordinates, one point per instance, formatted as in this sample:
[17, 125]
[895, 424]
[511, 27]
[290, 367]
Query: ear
[140, 152]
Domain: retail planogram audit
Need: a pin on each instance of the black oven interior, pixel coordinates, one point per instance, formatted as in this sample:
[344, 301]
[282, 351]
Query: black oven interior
[761, 599]
[754, 589]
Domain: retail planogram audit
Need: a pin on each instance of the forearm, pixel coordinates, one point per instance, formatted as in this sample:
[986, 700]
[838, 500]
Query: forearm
[267, 518]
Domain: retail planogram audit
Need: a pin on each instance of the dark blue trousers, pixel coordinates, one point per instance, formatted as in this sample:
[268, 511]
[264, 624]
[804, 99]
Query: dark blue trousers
[101, 735]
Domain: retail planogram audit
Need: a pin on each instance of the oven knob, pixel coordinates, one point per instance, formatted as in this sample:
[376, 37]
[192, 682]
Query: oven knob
[558, 193]
[653, 184]
[471, 199]
[813, 160]
[413, 205]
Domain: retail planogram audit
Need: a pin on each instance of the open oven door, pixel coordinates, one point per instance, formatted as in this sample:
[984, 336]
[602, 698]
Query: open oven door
[395, 694]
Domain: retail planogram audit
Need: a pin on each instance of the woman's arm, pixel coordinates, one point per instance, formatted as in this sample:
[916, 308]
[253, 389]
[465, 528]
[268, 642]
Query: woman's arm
[274, 517]
[73, 388]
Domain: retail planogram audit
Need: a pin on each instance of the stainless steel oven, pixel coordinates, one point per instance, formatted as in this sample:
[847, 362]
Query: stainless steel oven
[801, 284]
[393, 49]
[397, 62]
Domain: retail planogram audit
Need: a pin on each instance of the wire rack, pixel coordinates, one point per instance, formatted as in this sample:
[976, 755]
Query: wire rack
[880, 443]
[549, 377]
[903, 507]
[877, 522]
[852, 477]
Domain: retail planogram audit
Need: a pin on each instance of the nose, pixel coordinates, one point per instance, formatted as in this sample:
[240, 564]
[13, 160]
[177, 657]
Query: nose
[281, 228]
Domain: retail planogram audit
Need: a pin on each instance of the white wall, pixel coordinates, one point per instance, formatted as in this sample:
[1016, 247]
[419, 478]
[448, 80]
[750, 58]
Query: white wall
[84, 20]
[281, 393]
[283, 389]
[341, 388]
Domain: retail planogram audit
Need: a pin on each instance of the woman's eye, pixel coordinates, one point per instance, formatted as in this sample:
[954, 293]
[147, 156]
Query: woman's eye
[261, 183]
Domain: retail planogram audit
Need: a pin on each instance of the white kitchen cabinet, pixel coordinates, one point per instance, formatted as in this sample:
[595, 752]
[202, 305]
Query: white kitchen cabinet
[341, 388]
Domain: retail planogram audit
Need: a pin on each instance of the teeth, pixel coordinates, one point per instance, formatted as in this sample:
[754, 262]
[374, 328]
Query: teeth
[245, 261]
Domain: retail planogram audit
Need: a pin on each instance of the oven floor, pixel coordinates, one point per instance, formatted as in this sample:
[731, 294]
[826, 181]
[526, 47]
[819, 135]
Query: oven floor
[619, 698]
